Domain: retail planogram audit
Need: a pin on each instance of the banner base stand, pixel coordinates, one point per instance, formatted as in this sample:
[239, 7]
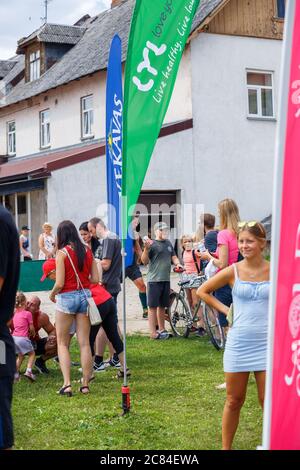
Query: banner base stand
[125, 400]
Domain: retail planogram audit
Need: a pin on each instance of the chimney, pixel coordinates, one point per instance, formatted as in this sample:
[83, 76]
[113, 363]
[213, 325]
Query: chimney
[115, 3]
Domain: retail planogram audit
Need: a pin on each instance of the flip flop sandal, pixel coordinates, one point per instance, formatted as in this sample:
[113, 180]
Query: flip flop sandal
[84, 388]
[62, 391]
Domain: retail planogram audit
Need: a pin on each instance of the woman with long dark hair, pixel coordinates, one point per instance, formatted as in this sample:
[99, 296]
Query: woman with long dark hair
[71, 301]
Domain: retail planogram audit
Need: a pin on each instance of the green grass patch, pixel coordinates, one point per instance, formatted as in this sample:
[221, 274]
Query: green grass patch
[174, 403]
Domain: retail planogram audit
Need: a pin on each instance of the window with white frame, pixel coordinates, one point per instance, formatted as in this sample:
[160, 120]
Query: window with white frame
[260, 94]
[87, 117]
[35, 65]
[45, 128]
[11, 138]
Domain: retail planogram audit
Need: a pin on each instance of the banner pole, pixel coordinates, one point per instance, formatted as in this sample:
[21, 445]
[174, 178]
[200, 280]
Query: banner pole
[125, 387]
[276, 212]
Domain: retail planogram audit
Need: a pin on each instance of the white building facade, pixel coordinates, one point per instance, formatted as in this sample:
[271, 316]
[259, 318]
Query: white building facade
[216, 141]
[234, 151]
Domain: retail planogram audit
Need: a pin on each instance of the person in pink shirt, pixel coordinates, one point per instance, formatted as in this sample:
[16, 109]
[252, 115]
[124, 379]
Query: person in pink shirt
[22, 327]
[227, 251]
[191, 262]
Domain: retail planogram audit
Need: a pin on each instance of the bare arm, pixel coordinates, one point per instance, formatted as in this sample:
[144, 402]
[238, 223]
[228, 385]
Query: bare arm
[224, 277]
[106, 264]
[175, 261]
[60, 275]
[100, 270]
[137, 248]
[94, 279]
[31, 330]
[222, 261]
[1, 282]
[47, 325]
[145, 254]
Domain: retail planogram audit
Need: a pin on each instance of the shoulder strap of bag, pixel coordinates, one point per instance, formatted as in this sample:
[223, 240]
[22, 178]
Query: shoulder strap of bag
[65, 251]
[195, 261]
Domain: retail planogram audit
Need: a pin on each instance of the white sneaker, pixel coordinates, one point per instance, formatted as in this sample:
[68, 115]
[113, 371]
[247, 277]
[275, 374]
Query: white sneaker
[112, 363]
[221, 386]
[101, 367]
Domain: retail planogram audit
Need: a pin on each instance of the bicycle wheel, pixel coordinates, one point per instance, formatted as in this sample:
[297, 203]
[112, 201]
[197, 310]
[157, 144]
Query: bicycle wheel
[213, 327]
[179, 315]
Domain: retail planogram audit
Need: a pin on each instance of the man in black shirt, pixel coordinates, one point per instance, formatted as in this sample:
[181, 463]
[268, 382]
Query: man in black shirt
[109, 255]
[9, 278]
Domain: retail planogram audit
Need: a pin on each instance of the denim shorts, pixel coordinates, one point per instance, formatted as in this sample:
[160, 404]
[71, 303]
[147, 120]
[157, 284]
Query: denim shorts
[73, 302]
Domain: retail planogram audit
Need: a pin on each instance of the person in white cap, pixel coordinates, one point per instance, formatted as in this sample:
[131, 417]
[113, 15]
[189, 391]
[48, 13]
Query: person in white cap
[160, 255]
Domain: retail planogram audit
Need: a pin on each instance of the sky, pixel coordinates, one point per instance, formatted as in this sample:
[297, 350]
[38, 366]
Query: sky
[19, 18]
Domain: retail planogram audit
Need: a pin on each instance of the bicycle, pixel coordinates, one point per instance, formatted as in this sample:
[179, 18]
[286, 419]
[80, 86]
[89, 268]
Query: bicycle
[182, 318]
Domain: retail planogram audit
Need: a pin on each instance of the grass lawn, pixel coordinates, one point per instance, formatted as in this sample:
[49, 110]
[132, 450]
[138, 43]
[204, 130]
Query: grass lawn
[174, 404]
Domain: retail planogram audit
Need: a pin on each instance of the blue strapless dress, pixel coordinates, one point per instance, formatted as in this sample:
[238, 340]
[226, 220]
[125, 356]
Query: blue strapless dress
[246, 345]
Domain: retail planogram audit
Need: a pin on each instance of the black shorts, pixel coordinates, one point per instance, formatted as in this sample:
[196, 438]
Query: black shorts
[158, 294]
[39, 346]
[133, 272]
[6, 425]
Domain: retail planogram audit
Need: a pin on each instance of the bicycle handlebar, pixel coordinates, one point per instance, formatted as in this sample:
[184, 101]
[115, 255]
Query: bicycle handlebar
[178, 270]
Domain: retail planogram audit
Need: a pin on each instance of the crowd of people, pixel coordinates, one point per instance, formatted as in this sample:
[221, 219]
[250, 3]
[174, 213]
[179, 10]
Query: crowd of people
[46, 243]
[87, 263]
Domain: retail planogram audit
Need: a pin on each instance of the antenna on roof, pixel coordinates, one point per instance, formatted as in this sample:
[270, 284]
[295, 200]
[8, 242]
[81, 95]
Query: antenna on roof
[45, 18]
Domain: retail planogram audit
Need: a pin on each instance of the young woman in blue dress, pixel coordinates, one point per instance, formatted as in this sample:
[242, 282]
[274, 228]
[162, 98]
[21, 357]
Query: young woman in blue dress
[246, 345]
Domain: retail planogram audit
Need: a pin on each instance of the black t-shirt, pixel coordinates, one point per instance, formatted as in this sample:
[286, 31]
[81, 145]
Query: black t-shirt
[110, 248]
[211, 241]
[9, 270]
[94, 245]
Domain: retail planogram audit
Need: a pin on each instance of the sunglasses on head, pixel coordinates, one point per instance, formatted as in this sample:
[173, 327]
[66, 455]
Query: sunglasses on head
[250, 224]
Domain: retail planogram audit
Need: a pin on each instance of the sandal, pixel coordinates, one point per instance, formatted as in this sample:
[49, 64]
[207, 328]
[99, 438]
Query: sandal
[84, 388]
[62, 391]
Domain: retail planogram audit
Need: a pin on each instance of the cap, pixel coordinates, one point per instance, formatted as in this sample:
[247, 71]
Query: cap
[25, 227]
[160, 226]
[48, 266]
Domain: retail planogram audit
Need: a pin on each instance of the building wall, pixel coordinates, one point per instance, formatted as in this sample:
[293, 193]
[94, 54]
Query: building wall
[38, 218]
[65, 112]
[74, 193]
[234, 155]
[256, 18]
[172, 168]
[77, 192]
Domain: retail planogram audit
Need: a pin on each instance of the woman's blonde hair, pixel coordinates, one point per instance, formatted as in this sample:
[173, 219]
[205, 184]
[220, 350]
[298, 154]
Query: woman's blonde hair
[229, 215]
[255, 228]
[20, 300]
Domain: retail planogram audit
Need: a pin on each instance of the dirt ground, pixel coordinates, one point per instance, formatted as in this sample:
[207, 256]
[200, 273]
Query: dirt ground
[135, 322]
